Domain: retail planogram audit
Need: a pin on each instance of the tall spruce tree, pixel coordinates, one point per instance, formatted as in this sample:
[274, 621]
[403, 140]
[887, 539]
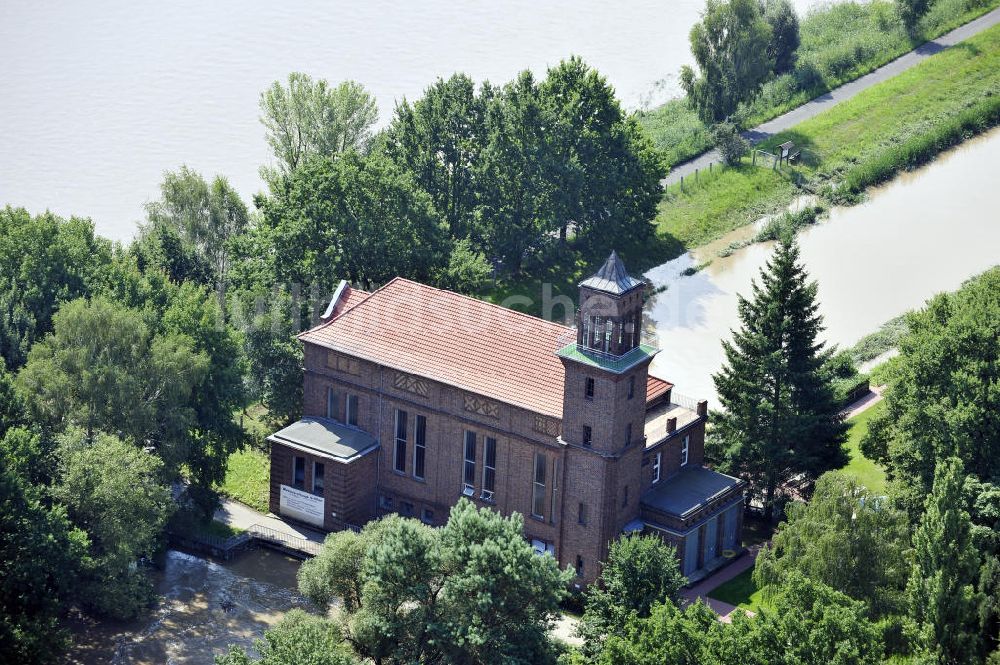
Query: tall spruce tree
[945, 570]
[781, 417]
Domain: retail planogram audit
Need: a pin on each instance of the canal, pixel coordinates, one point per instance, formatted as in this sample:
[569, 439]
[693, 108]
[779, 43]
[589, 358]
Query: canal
[923, 233]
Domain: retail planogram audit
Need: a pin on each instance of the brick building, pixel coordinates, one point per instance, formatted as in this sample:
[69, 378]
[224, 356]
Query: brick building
[415, 397]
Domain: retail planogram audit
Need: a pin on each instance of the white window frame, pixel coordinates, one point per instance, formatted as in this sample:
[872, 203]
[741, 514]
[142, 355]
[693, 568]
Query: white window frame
[489, 488]
[331, 403]
[397, 441]
[657, 466]
[538, 486]
[315, 464]
[469, 463]
[685, 442]
[419, 442]
[351, 412]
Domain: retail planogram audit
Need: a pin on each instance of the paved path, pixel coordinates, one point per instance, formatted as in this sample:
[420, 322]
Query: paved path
[844, 92]
[868, 401]
[723, 575]
[241, 516]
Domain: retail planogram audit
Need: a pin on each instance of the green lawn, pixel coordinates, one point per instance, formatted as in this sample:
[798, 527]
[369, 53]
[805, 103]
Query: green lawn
[247, 478]
[741, 592]
[840, 141]
[868, 473]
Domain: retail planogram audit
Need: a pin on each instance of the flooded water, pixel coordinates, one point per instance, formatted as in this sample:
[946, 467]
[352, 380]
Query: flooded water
[923, 233]
[99, 98]
[205, 606]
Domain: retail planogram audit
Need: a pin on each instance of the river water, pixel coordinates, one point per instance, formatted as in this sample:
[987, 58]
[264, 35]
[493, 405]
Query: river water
[204, 607]
[98, 98]
[923, 233]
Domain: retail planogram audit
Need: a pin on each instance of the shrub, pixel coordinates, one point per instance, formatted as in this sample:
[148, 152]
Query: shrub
[730, 144]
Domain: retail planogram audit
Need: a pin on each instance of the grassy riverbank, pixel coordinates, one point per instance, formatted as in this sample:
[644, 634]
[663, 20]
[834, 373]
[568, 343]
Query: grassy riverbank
[896, 125]
[839, 43]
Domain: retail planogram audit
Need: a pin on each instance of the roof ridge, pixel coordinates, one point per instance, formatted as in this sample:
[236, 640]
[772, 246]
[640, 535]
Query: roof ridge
[505, 310]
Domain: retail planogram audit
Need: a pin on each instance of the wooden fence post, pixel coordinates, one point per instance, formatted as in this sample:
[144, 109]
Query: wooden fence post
[682, 183]
[754, 158]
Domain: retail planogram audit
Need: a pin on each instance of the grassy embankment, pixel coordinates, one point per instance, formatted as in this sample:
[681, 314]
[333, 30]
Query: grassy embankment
[839, 43]
[248, 470]
[899, 124]
[896, 125]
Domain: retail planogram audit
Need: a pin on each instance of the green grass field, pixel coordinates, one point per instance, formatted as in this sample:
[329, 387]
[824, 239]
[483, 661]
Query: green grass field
[247, 478]
[868, 473]
[845, 140]
[741, 592]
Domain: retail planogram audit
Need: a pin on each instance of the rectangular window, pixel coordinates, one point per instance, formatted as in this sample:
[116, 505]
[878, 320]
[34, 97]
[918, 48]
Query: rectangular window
[427, 516]
[579, 566]
[684, 449]
[399, 456]
[582, 514]
[656, 467]
[538, 487]
[419, 447]
[385, 502]
[631, 387]
[469, 471]
[489, 468]
[352, 410]
[406, 509]
[299, 473]
[588, 389]
[587, 436]
[318, 472]
[628, 434]
[331, 404]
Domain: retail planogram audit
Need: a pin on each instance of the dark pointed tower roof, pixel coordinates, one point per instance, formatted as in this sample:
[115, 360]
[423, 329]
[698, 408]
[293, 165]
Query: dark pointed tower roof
[612, 277]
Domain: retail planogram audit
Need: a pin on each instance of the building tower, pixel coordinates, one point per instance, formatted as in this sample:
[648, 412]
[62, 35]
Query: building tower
[604, 407]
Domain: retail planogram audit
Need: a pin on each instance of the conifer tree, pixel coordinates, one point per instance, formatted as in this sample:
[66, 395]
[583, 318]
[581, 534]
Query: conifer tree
[781, 417]
[945, 569]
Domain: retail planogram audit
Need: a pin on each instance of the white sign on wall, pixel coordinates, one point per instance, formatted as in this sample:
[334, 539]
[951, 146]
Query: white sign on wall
[301, 505]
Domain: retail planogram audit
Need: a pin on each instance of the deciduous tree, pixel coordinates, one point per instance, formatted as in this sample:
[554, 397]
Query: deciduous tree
[305, 118]
[732, 47]
[298, 639]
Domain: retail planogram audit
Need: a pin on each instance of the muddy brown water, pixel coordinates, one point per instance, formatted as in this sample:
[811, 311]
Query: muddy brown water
[923, 233]
[204, 607]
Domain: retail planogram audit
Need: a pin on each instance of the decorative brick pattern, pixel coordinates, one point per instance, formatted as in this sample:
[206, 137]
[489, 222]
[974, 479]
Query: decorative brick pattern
[482, 406]
[411, 384]
[547, 426]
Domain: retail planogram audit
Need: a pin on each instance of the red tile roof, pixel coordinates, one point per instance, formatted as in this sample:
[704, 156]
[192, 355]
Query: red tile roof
[656, 387]
[460, 341]
[348, 299]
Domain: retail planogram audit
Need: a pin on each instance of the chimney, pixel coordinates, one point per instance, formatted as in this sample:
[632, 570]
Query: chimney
[703, 408]
[671, 425]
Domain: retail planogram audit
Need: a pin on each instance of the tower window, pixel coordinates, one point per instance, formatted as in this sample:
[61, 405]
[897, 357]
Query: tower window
[582, 514]
[628, 434]
[579, 566]
[588, 437]
[631, 386]
[588, 387]
[656, 467]
[684, 449]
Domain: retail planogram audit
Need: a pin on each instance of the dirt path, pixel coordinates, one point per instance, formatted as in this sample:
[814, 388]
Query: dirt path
[843, 93]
